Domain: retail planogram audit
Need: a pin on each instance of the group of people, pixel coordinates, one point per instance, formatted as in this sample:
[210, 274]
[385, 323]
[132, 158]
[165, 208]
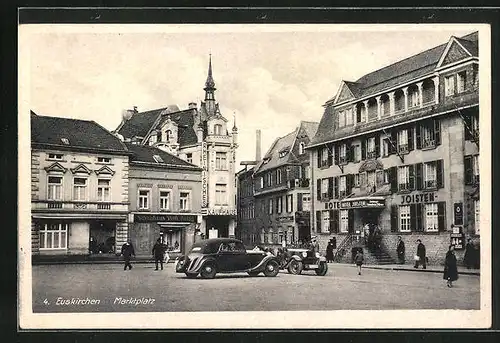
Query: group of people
[159, 252]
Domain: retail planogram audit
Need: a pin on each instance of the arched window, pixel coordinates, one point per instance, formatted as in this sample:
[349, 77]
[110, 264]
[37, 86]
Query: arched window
[168, 135]
[217, 129]
[301, 148]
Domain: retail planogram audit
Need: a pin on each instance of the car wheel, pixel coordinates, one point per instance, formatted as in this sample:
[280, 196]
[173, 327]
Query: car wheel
[179, 265]
[272, 268]
[295, 267]
[208, 271]
[191, 275]
[322, 269]
[253, 273]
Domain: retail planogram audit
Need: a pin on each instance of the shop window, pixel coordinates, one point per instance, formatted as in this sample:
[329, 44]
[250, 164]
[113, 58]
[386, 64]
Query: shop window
[461, 79]
[344, 220]
[220, 161]
[404, 218]
[79, 188]
[403, 141]
[430, 175]
[53, 236]
[103, 189]
[325, 217]
[54, 188]
[164, 200]
[476, 217]
[431, 217]
[449, 85]
[143, 199]
[184, 203]
[220, 194]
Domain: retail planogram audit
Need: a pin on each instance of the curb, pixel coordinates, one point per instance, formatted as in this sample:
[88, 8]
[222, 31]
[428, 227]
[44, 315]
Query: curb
[420, 270]
[42, 263]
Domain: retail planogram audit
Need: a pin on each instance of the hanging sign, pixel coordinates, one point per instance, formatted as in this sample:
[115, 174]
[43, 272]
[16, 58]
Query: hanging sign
[458, 213]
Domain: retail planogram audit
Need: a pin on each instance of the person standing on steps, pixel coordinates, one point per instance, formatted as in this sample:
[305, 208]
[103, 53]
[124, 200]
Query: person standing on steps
[158, 251]
[420, 257]
[359, 259]
[127, 252]
[401, 251]
[469, 254]
[450, 266]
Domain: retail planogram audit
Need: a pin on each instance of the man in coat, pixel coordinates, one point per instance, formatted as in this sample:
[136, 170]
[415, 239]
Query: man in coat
[401, 250]
[420, 255]
[127, 252]
[158, 251]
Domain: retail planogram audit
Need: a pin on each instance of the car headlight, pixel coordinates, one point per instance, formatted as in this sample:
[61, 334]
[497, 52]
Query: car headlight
[317, 255]
[304, 254]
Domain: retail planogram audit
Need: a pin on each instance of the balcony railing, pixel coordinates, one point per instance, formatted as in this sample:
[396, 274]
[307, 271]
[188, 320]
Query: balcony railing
[78, 206]
[428, 143]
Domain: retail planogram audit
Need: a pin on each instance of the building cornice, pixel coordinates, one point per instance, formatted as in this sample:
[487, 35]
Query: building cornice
[72, 148]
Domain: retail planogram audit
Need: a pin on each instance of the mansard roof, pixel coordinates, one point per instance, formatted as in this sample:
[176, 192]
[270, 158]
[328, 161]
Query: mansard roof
[68, 134]
[145, 154]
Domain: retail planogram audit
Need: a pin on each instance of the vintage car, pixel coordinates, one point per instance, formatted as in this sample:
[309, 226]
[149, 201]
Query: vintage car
[225, 255]
[298, 259]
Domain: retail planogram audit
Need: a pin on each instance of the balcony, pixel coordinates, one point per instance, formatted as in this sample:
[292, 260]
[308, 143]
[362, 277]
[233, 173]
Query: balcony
[78, 206]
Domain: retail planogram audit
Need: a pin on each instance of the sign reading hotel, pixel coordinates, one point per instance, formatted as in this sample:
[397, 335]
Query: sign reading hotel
[204, 175]
[348, 204]
[418, 198]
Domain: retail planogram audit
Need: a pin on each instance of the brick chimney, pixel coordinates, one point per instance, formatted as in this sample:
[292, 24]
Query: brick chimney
[257, 146]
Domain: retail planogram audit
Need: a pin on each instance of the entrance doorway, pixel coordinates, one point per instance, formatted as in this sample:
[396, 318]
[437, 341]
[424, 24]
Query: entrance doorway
[219, 223]
[102, 237]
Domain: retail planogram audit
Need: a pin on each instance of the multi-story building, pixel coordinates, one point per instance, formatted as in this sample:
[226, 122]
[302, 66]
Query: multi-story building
[282, 198]
[199, 136]
[79, 188]
[246, 230]
[165, 200]
[399, 148]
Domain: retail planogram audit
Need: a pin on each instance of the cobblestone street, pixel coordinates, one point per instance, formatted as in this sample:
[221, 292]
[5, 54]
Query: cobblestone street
[110, 289]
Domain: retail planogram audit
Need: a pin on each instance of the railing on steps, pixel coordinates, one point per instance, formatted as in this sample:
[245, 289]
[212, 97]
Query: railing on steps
[341, 249]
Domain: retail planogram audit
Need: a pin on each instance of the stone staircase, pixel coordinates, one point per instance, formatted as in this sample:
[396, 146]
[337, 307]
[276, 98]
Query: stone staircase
[380, 256]
[373, 255]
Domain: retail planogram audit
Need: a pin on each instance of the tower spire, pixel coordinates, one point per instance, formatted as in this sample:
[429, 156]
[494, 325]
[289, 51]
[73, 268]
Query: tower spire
[210, 83]
[210, 90]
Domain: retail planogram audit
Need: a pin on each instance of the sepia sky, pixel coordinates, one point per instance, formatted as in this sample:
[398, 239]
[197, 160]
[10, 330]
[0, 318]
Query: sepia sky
[271, 77]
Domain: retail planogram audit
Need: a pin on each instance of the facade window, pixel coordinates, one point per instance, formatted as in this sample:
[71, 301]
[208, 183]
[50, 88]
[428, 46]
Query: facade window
[279, 204]
[430, 175]
[262, 182]
[476, 217]
[164, 200]
[220, 194]
[344, 220]
[103, 189]
[341, 116]
[356, 180]
[403, 140]
[371, 180]
[370, 145]
[414, 99]
[428, 137]
[431, 217]
[57, 157]
[104, 160]
[449, 85]
[461, 78]
[53, 236]
[342, 186]
[324, 188]
[220, 161]
[184, 203]
[343, 153]
[349, 118]
[270, 207]
[404, 218]
[324, 157]
[385, 147]
[289, 203]
[386, 177]
[217, 129]
[357, 153]
[404, 178]
[474, 125]
[475, 168]
[279, 178]
[143, 199]
[189, 158]
[269, 179]
[301, 148]
[325, 216]
[54, 188]
[80, 188]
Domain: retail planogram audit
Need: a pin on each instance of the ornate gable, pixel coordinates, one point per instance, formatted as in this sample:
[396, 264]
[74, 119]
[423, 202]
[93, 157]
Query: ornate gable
[344, 93]
[105, 170]
[81, 169]
[454, 52]
[56, 168]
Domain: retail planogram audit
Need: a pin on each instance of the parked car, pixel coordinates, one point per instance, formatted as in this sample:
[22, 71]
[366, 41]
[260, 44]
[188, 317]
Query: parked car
[225, 255]
[297, 260]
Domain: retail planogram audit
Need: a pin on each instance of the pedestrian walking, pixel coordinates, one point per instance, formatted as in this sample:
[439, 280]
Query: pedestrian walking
[359, 258]
[420, 257]
[127, 252]
[329, 252]
[315, 244]
[470, 252]
[450, 266]
[158, 251]
[401, 250]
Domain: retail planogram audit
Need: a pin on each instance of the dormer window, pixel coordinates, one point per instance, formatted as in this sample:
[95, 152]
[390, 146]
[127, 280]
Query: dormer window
[57, 157]
[104, 160]
[266, 160]
[217, 129]
[283, 153]
[158, 159]
[301, 148]
[168, 135]
[65, 141]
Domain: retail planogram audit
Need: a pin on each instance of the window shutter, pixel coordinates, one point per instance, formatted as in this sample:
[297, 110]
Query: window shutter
[413, 217]
[467, 127]
[291, 203]
[468, 170]
[299, 202]
[411, 168]
[394, 218]
[318, 189]
[441, 216]
[318, 221]
[334, 224]
[393, 142]
[358, 115]
[410, 138]
[331, 220]
[393, 178]
[377, 145]
[330, 154]
[336, 186]
[418, 136]
[363, 149]
[330, 187]
[419, 226]
[336, 155]
[319, 157]
[437, 132]
[419, 175]
[348, 182]
[350, 221]
[439, 173]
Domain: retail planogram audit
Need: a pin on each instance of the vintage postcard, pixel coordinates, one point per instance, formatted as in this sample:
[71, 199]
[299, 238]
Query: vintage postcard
[254, 176]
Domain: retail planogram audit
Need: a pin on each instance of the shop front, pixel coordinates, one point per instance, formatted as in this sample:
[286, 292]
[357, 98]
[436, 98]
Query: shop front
[219, 222]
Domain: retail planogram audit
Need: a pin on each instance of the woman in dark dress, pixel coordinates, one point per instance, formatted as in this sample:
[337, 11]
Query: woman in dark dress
[450, 266]
[329, 252]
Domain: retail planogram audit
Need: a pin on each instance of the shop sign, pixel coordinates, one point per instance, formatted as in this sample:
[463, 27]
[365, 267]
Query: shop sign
[457, 239]
[148, 218]
[458, 213]
[218, 212]
[285, 219]
[204, 175]
[418, 198]
[348, 204]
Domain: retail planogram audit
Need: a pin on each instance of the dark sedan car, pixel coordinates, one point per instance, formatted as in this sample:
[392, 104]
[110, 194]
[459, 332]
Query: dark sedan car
[225, 255]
